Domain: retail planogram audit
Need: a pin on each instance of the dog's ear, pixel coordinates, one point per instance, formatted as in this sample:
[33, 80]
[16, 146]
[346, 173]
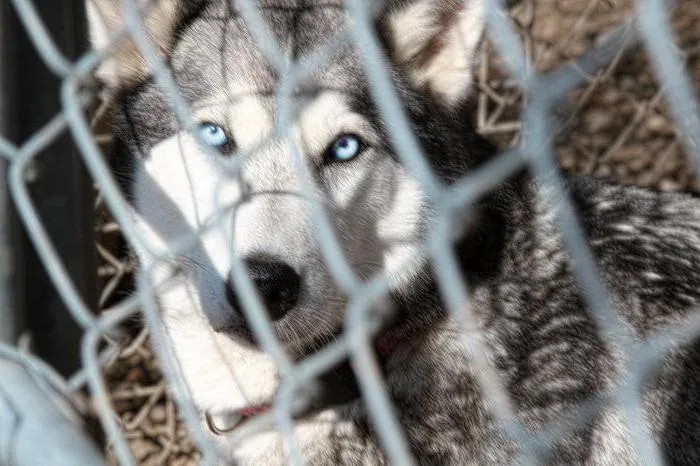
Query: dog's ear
[125, 64]
[436, 42]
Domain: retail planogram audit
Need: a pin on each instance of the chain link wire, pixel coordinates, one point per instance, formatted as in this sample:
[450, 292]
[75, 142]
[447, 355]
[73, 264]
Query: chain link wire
[534, 147]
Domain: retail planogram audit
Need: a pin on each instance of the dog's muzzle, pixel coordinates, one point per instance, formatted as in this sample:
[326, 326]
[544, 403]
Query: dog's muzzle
[278, 284]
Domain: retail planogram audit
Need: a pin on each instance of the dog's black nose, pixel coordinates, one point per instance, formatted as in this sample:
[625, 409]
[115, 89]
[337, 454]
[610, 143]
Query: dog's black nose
[277, 283]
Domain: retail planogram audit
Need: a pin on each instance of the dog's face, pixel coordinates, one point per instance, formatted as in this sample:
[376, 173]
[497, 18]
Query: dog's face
[186, 180]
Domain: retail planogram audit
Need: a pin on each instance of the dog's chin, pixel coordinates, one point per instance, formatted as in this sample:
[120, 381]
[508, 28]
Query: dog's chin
[314, 436]
[259, 440]
[333, 388]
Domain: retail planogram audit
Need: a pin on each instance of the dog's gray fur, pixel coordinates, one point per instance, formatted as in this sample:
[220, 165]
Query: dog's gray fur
[547, 348]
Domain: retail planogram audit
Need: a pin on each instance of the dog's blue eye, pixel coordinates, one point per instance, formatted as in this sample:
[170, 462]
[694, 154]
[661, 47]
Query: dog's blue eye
[345, 148]
[213, 135]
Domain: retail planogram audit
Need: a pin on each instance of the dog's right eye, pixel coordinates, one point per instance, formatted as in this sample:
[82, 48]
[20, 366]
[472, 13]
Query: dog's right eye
[215, 137]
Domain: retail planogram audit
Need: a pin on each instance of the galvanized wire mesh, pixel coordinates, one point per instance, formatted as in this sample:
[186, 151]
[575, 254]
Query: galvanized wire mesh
[534, 147]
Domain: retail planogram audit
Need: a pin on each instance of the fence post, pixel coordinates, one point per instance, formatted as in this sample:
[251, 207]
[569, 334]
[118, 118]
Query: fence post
[10, 254]
[61, 189]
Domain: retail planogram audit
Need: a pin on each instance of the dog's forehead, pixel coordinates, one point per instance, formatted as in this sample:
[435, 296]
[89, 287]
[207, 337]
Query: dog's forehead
[218, 54]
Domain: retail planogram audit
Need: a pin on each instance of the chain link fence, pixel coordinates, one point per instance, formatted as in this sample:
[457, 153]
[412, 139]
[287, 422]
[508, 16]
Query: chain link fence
[574, 60]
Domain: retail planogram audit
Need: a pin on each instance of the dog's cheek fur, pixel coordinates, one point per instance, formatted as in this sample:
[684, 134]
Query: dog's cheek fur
[380, 214]
[177, 191]
[401, 232]
[222, 373]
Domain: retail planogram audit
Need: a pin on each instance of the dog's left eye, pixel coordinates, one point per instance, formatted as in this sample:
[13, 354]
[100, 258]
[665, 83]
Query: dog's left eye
[214, 136]
[346, 147]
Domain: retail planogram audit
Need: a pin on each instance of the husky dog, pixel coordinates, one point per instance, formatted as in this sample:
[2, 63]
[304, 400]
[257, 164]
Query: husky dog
[543, 340]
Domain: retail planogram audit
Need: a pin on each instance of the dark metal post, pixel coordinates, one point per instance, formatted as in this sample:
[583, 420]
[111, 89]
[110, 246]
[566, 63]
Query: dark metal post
[10, 254]
[61, 190]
